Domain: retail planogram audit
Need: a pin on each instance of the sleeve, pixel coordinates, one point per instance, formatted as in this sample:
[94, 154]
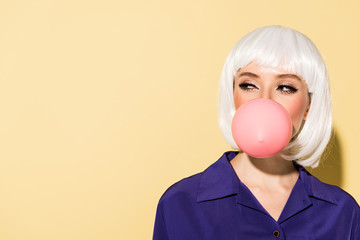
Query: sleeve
[160, 232]
[355, 232]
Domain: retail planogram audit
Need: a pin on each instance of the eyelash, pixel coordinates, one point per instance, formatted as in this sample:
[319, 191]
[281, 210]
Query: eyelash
[250, 87]
[247, 86]
[291, 90]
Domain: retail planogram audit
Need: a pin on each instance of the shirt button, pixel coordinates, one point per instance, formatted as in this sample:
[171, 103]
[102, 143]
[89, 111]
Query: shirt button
[276, 233]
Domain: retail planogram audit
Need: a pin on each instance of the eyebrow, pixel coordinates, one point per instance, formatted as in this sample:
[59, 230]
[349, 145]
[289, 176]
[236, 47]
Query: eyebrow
[249, 74]
[281, 76]
[289, 76]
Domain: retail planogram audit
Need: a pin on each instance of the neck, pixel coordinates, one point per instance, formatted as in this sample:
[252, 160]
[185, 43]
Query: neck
[267, 172]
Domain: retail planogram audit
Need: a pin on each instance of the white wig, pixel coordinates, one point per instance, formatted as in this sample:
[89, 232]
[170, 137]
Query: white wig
[277, 46]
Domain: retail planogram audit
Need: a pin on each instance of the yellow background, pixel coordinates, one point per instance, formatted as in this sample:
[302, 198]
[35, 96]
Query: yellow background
[104, 104]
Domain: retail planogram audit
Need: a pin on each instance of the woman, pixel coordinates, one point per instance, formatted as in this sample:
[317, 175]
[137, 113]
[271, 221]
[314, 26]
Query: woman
[243, 197]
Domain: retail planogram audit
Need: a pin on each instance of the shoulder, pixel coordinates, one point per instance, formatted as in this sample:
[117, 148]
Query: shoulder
[335, 206]
[218, 180]
[183, 190]
[332, 204]
[341, 195]
[348, 208]
[345, 202]
[325, 192]
[337, 194]
[337, 201]
[174, 207]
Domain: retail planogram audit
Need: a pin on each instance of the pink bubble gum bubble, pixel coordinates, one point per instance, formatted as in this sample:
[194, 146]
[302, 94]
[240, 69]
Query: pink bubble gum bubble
[261, 128]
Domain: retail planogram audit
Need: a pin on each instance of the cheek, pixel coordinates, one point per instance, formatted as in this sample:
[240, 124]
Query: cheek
[237, 100]
[240, 99]
[297, 109]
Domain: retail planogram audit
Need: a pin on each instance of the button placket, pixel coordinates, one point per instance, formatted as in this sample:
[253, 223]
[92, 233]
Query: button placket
[276, 234]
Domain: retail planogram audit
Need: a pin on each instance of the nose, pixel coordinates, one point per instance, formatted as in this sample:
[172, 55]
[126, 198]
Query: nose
[266, 93]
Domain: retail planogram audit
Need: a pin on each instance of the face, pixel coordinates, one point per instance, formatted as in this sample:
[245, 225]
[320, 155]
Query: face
[288, 89]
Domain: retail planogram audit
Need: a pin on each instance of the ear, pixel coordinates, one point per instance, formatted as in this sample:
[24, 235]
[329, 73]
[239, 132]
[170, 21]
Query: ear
[307, 108]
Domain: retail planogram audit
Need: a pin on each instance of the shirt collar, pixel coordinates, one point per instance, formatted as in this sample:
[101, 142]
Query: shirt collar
[315, 188]
[220, 180]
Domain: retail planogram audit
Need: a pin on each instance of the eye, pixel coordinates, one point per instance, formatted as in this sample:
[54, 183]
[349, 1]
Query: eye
[247, 86]
[286, 89]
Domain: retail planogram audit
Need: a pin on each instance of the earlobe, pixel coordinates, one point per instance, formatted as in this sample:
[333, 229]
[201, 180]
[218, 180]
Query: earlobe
[307, 108]
[306, 113]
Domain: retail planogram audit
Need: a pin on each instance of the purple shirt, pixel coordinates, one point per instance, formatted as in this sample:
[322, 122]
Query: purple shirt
[216, 205]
